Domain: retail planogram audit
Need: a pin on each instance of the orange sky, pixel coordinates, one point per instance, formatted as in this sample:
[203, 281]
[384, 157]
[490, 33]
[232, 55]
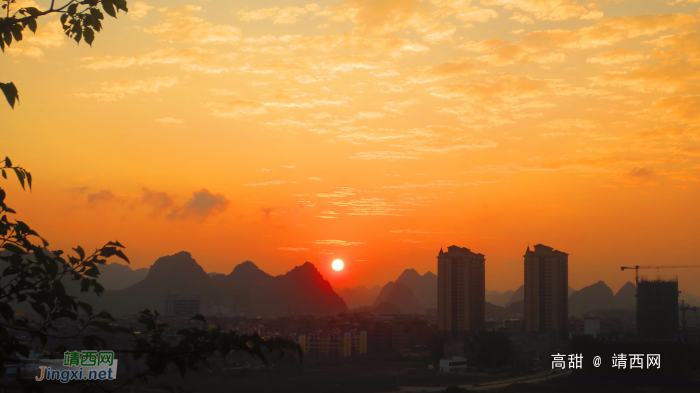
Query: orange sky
[371, 131]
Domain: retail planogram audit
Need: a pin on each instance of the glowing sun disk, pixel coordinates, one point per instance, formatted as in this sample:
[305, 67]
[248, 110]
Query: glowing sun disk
[338, 265]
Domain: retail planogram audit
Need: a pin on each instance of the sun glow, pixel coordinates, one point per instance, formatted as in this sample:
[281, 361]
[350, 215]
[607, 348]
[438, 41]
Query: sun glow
[338, 265]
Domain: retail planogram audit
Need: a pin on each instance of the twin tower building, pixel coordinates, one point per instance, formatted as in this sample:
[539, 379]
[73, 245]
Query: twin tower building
[461, 290]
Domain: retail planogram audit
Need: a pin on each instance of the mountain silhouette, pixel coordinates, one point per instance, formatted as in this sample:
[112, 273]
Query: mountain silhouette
[518, 295]
[403, 297]
[384, 293]
[498, 298]
[625, 297]
[593, 297]
[247, 289]
[423, 287]
[117, 276]
[359, 296]
[174, 273]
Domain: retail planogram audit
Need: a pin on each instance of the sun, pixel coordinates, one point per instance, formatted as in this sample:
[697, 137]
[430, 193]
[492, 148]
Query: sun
[338, 265]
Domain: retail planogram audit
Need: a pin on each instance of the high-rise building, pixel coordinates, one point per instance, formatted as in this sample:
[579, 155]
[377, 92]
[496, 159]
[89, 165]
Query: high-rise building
[461, 290]
[657, 313]
[177, 304]
[546, 291]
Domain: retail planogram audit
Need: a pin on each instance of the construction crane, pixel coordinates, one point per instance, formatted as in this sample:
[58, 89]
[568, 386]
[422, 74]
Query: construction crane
[636, 275]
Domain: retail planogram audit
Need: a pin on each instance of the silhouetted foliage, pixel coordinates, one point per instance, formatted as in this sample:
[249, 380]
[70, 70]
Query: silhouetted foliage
[80, 19]
[32, 277]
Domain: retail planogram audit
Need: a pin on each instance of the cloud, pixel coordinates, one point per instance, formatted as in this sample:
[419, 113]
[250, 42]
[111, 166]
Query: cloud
[609, 31]
[371, 207]
[170, 120]
[238, 108]
[384, 155]
[337, 243]
[448, 69]
[638, 172]
[202, 205]
[370, 115]
[549, 9]
[566, 124]
[501, 53]
[294, 249]
[667, 77]
[313, 178]
[689, 151]
[381, 17]
[138, 10]
[278, 15]
[159, 202]
[616, 56]
[96, 198]
[268, 183]
[352, 41]
[180, 25]
[398, 106]
[680, 109]
[111, 91]
[477, 15]
[49, 35]
[341, 192]
[518, 17]
[431, 184]
[189, 59]
[414, 231]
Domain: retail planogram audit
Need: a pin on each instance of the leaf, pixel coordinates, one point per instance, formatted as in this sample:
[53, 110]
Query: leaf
[32, 11]
[80, 252]
[121, 255]
[115, 243]
[88, 35]
[36, 306]
[29, 180]
[32, 24]
[7, 37]
[72, 9]
[20, 176]
[17, 31]
[11, 94]
[4, 175]
[8, 162]
[121, 5]
[105, 315]
[14, 249]
[109, 8]
[198, 317]
[86, 307]
[7, 312]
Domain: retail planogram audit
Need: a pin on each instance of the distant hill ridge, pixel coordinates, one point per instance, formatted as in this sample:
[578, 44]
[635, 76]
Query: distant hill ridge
[247, 289]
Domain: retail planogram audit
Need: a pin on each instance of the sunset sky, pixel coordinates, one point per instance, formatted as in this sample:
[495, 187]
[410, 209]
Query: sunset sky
[374, 131]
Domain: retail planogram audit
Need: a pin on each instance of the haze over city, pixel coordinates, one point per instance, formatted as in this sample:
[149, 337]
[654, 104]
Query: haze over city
[372, 132]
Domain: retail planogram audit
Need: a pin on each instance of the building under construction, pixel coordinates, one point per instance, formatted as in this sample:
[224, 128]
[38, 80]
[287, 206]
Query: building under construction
[657, 311]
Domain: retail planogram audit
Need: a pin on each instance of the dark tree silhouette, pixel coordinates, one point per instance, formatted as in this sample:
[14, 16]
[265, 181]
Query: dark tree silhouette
[32, 276]
[81, 19]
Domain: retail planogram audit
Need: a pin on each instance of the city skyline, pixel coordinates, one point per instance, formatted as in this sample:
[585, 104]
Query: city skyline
[372, 132]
